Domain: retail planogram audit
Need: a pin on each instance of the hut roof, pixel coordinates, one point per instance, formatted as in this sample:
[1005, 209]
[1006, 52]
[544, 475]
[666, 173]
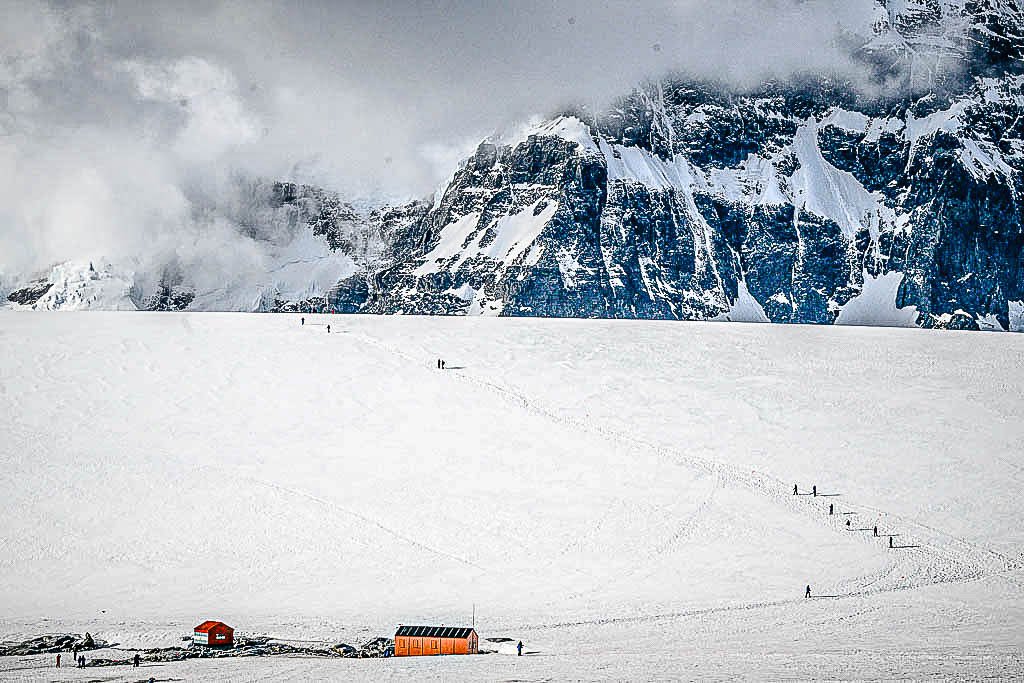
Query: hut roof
[434, 631]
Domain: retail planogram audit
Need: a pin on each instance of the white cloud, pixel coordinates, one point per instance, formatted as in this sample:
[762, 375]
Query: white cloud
[120, 122]
[216, 119]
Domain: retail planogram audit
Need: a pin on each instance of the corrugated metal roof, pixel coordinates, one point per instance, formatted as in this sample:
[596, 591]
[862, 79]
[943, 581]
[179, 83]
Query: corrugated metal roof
[207, 625]
[434, 631]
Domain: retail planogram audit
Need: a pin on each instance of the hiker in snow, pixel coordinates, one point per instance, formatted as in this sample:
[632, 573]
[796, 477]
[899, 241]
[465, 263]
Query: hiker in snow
[302, 321]
[443, 364]
[807, 593]
[81, 661]
[519, 649]
[830, 508]
[58, 660]
[795, 490]
[328, 329]
[438, 363]
[847, 524]
[814, 490]
[890, 541]
[135, 661]
[876, 530]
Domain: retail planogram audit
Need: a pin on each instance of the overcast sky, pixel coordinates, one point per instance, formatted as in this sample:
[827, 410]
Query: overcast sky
[113, 114]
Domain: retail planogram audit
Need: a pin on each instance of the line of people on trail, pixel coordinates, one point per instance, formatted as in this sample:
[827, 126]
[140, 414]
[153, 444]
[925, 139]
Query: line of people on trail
[849, 526]
[302, 322]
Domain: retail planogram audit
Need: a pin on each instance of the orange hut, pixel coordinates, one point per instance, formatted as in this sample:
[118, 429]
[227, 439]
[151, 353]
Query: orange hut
[413, 641]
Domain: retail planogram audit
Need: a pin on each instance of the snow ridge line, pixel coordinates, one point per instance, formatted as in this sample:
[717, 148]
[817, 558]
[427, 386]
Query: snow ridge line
[949, 560]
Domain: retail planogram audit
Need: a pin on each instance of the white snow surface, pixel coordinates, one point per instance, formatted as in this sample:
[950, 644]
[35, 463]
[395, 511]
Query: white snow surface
[876, 304]
[504, 240]
[853, 121]
[746, 309]
[85, 286]
[821, 188]
[602, 490]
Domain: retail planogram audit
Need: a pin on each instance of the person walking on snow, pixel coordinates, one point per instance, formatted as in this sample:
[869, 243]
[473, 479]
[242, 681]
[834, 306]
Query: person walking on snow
[795, 490]
[443, 364]
[302, 321]
[876, 530]
[135, 661]
[519, 649]
[890, 541]
[328, 329]
[814, 490]
[830, 508]
[58, 660]
[807, 593]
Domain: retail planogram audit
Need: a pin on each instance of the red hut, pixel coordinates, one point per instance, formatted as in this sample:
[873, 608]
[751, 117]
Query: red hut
[411, 641]
[213, 634]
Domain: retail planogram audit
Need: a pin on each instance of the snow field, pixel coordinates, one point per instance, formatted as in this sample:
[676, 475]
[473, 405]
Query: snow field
[594, 487]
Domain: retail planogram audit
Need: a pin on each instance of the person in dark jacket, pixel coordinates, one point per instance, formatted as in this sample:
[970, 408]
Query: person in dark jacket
[519, 648]
[807, 593]
[302, 321]
[795, 490]
[876, 530]
[890, 541]
[58, 660]
[328, 329]
[135, 661]
[831, 508]
[814, 490]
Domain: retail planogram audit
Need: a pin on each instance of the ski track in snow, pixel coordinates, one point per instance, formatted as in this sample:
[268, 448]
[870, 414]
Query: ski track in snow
[927, 555]
[334, 507]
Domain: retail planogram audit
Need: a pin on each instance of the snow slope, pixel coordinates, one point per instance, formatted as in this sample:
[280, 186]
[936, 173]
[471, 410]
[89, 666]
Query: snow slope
[601, 489]
[81, 286]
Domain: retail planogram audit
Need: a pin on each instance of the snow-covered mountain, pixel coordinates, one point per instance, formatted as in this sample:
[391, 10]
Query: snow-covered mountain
[792, 203]
[799, 201]
[690, 204]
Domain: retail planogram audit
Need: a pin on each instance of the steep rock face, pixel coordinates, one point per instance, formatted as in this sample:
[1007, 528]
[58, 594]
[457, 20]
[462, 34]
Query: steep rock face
[683, 202]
